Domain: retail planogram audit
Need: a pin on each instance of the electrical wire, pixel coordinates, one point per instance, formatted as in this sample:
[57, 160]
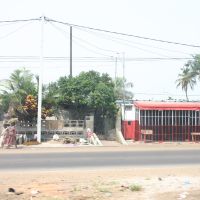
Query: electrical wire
[102, 49]
[127, 42]
[21, 20]
[116, 52]
[91, 50]
[123, 34]
[83, 41]
[74, 39]
[83, 59]
[102, 30]
[7, 24]
[14, 31]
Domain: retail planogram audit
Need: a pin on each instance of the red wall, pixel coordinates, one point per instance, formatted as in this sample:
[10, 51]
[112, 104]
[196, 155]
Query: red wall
[130, 130]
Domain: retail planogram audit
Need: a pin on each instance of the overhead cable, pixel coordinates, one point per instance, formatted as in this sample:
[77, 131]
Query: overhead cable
[128, 42]
[123, 34]
[86, 42]
[14, 31]
[84, 59]
[21, 20]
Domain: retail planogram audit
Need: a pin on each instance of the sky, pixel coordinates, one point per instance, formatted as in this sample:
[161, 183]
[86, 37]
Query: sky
[170, 20]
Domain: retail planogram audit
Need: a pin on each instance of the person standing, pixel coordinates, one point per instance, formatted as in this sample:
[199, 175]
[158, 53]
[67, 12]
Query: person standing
[89, 135]
[4, 135]
[11, 140]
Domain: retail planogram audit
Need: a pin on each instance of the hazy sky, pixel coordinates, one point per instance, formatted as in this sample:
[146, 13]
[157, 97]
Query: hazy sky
[171, 20]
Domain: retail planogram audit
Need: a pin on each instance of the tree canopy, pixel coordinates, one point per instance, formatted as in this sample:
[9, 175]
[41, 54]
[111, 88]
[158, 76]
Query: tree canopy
[189, 75]
[15, 89]
[89, 90]
[18, 96]
[122, 89]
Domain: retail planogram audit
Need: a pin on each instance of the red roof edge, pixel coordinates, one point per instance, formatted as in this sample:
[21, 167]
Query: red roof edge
[164, 105]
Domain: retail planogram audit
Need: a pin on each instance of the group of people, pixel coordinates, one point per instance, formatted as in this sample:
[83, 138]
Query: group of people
[8, 135]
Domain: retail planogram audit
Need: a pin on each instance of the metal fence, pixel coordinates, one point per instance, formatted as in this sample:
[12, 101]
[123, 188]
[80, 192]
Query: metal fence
[171, 125]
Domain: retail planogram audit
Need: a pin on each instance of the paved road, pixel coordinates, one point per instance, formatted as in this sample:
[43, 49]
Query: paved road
[78, 160]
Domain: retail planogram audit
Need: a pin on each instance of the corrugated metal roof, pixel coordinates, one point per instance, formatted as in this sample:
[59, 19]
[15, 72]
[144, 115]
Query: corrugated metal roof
[154, 105]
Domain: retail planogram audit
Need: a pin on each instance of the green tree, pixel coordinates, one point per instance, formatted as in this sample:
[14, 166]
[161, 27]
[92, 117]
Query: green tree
[122, 89]
[88, 90]
[15, 89]
[189, 75]
[186, 79]
[194, 66]
[50, 95]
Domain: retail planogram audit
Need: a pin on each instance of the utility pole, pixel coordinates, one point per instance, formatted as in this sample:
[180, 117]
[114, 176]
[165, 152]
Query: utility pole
[70, 51]
[116, 62]
[39, 114]
[115, 68]
[123, 66]
[123, 60]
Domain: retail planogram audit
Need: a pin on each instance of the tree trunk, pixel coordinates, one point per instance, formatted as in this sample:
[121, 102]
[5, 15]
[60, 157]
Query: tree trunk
[186, 94]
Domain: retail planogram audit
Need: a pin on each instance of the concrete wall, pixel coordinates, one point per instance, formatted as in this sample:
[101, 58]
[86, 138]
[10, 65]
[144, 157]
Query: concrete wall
[1, 126]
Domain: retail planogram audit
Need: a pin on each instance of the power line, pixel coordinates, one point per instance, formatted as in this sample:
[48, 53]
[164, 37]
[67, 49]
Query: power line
[91, 57]
[83, 41]
[14, 31]
[127, 42]
[107, 50]
[123, 34]
[78, 43]
[102, 30]
[20, 20]
[16, 59]
[141, 49]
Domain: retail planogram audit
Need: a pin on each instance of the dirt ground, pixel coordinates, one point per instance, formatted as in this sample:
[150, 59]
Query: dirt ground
[103, 184]
[107, 146]
[140, 183]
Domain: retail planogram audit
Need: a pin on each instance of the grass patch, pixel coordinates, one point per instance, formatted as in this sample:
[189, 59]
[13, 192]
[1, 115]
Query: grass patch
[76, 189]
[135, 188]
[113, 183]
[104, 190]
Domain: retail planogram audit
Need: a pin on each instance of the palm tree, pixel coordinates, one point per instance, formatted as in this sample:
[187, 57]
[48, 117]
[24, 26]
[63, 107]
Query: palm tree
[17, 87]
[195, 66]
[186, 78]
[122, 89]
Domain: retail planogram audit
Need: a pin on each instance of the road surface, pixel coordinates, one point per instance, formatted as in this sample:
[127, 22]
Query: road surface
[76, 160]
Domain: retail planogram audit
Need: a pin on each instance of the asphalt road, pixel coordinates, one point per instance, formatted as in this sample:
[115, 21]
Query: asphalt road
[76, 160]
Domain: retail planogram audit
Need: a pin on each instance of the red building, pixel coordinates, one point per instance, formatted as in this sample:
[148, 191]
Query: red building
[161, 121]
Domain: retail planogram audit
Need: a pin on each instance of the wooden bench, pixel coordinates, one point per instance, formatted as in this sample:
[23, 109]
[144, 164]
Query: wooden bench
[195, 134]
[145, 133]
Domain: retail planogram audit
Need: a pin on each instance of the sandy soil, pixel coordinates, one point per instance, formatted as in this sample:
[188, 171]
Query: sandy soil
[158, 183]
[104, 184]
[108, 146]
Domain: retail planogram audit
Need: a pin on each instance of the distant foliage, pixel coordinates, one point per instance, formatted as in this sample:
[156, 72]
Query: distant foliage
[88, 90]
[28, 111]
[18, 96]
[189, 75]
[123, 89]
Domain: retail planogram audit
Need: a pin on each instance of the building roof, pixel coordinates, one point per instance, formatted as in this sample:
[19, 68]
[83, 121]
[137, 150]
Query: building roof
[154, 105]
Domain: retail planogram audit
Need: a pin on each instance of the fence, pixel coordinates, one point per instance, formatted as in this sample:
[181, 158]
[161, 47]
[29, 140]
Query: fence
[73, 128]
[171, 125]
